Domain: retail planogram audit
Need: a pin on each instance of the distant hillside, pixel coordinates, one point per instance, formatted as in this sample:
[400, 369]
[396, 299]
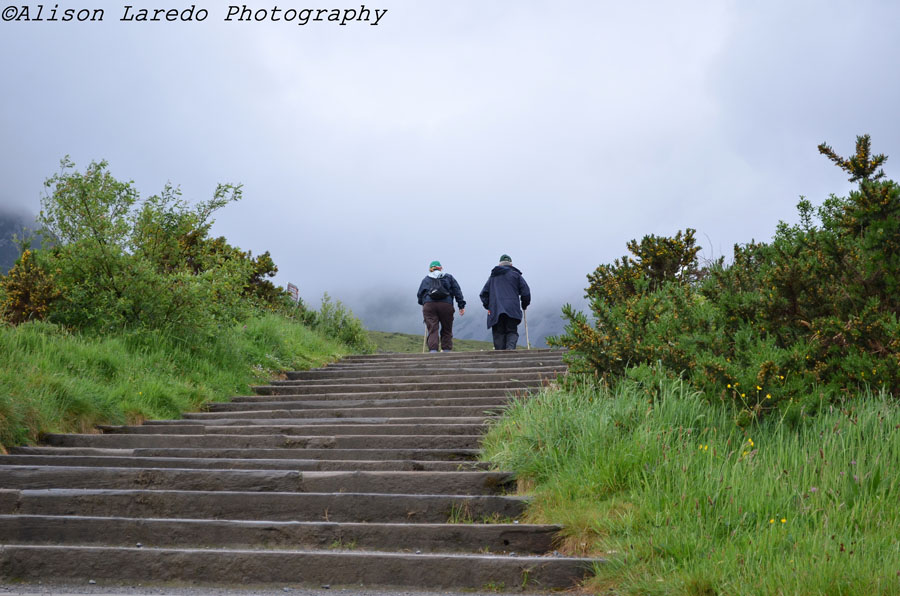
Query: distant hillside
[387, 341]
[12, 225]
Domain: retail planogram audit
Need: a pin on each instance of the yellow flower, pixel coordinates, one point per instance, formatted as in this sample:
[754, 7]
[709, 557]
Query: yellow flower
[758, 388]
[729, 385]
[772, 521]
[768, 396]
[783, 520]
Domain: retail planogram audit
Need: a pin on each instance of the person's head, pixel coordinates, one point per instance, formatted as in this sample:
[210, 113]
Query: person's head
[505, 260]
[434, 266]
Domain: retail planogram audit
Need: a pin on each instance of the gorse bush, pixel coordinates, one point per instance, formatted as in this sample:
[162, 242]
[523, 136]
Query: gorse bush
[28, 291]
[811, 314]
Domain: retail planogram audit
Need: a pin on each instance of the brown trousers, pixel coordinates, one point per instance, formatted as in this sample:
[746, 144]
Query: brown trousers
[439, 315]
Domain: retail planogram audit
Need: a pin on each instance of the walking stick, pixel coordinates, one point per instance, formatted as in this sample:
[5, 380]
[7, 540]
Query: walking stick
[525, 318]
[424, 338]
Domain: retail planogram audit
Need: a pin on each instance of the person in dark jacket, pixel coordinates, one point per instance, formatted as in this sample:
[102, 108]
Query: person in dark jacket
[436, 294]
[505, 295]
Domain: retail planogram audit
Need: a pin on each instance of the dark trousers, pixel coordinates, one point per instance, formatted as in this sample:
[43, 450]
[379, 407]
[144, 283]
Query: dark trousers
[439, 315]
[506, 333]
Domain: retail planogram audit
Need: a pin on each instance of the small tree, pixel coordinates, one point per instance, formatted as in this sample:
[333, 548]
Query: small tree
[127, 262]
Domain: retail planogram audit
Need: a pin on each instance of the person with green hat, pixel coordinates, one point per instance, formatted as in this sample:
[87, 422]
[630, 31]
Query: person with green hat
[505, 296]
[436, 294]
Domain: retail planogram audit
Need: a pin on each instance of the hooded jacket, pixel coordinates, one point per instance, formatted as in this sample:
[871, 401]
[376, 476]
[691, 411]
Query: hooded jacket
[502, 293]
[449, 281]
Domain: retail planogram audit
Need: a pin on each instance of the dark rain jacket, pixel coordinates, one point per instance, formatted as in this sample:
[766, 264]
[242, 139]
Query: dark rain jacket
[502, 293]
[452, 285]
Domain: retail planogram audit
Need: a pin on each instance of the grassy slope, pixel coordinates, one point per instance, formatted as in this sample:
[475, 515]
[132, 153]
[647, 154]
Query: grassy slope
[388, 341]
[680, 500]
[54, 381]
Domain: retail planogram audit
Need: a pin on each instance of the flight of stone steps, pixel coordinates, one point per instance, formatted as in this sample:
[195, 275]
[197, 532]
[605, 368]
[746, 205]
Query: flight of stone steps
[361, 472]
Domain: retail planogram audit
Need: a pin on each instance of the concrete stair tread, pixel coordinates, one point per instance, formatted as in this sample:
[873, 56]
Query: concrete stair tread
[385, 482]
[397, 386]
[453, 377]
[362, 411]
[368, 402]
[342, 420]
[437, 537]
[383, 374]
[332, 454]
[385, 392]
[254, 505]
[335, 568]
[119, 461]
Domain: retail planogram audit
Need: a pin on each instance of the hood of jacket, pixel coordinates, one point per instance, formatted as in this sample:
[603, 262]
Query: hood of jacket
[437, 274]
[503, 270]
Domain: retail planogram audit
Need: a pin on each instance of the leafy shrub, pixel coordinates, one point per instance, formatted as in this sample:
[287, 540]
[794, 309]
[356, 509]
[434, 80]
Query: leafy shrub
[337, 321]
[28, 290]
[812, 313]
[122, 262]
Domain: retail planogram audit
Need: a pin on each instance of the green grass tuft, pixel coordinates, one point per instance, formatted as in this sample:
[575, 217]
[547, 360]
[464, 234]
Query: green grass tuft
[681, 500]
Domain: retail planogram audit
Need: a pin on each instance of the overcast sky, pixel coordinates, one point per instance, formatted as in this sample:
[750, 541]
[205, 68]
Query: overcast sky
[554, 131]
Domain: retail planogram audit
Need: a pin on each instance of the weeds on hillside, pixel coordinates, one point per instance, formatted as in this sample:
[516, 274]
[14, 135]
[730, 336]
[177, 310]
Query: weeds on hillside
[680, 500]
[54, 380]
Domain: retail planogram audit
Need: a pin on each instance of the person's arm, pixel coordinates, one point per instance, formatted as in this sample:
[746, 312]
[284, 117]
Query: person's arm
[456, 292]
[420, 295]
[524, 292]
[485, 295]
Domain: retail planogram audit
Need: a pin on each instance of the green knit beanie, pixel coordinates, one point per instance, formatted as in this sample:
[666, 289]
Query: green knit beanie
[505, 258]
[434, 264]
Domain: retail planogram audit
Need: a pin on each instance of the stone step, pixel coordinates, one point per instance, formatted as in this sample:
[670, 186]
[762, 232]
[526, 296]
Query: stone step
[265, 441]
[272, 506]
[299, 429]
[489, 377]
[311, 401]
[387, 392]
[427, 389]
[333, 568]
[218, 421]
[459, 455]
[361, 368]
[274, 409]
[307, 482]
[486, 356]
[289, 416]
[409, 483]
[121, 531]
[222, 463]
[401, 371]
[447, 359]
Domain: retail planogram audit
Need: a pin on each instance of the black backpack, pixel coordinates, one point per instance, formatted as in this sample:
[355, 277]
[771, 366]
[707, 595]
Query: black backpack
[437, 289]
